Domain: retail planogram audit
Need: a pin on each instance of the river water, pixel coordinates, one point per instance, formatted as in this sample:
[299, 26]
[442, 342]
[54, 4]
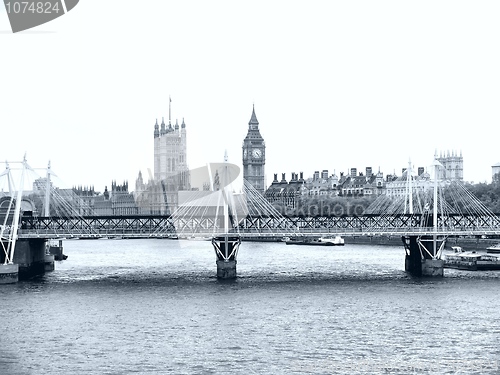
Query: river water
[156, 307]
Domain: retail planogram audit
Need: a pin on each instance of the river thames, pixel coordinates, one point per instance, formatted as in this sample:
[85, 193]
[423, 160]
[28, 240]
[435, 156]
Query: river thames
[156, 307]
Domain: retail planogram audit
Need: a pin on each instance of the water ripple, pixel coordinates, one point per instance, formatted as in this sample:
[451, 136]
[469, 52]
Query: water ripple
[156, 307]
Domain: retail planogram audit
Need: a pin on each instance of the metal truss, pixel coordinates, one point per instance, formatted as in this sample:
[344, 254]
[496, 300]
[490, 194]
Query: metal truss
[159, 226]
[95, 226]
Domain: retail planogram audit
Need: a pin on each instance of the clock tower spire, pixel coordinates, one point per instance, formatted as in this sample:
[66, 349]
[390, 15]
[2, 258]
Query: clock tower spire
[254, 155]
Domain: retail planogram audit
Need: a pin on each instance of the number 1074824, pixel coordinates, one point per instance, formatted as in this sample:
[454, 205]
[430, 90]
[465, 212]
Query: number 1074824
[32, 7]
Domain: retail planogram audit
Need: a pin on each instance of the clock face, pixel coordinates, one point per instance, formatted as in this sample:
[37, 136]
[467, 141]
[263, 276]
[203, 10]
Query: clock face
[244, 153]
[257, 153]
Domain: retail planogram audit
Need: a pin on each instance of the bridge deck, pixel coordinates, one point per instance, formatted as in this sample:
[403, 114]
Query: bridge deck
[49, 234]
[164, 226]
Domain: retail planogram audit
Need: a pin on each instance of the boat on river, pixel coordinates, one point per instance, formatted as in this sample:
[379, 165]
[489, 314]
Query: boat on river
[55, 248]
[322, 241]
[495, 249]
[336, 241]
[471, 260]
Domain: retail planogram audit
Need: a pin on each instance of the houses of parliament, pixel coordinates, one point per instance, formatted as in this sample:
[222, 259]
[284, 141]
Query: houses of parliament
[171, 172]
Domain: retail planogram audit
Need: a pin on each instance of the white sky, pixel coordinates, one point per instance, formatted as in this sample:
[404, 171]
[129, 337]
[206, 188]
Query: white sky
[335, 85]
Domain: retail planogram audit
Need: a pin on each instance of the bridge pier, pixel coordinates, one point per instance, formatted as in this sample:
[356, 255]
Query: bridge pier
[29, 260]
[30, 256]
[9, 273]
[226, 269]
[419, 262]
[48, 261]
[226, 248]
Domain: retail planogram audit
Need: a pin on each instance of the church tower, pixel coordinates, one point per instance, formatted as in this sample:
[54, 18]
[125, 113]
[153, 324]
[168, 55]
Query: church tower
[254, 155]
[453, 166]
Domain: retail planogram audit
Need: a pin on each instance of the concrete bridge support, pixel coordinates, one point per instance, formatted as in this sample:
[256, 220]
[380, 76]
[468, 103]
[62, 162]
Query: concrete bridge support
[49, 263]
[9, 273]
[226, 248]
[226, 269]
[418, 261]
[30, 256]
[29, 260]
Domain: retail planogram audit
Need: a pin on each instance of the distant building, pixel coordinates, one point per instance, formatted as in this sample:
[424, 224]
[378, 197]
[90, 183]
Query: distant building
[399, 187]
[118, 202]
[40, 184]
[354, 184]
[319, 185]
[453, 166]
[288, 194]
[495, 173]
[283, 193]
[363, 185]
[357, 184]
[102, 204]
[171, 172]
[170, 155]
[85, 202]
[152, 197]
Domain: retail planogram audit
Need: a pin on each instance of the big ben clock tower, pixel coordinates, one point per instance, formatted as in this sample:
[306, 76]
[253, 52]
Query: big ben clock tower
[254, 155]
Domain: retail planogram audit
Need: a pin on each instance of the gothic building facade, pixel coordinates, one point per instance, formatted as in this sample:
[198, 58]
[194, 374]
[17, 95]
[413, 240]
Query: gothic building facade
[254, 155]
[171, 172]
[453, 166]
[117, 202]
[495, 173]
[170, 150]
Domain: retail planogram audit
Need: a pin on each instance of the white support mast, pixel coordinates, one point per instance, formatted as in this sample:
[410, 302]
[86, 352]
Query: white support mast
[409, 190]
[9, 177]
[226, 245]
[410, 177]
[46, 207]
[17, 214]
[225, 180]
[7, 173]
[435, 206]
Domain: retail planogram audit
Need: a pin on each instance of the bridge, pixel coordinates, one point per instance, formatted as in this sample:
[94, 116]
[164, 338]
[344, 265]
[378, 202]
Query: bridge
[423, 225]
[164, 226]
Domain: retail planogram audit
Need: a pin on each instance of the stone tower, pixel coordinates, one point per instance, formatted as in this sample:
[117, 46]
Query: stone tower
[170, 149]
[254, 155]
[171, 172]
[453, 166]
